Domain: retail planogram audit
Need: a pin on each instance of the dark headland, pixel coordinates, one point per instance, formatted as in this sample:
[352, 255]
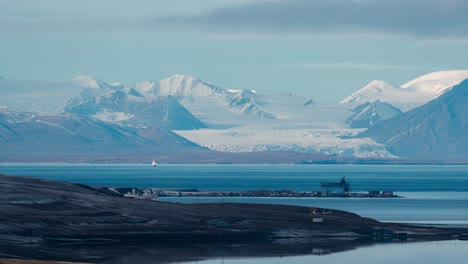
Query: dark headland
[50, 220]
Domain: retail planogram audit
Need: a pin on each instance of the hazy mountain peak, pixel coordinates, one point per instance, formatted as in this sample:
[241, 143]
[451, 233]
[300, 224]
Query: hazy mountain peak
[188, 86]
[92, 82]
[378, 85]
[374, 89]
[182, 77]
[88, 82]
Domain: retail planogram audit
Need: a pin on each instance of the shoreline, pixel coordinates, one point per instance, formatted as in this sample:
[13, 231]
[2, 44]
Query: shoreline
[62, 221]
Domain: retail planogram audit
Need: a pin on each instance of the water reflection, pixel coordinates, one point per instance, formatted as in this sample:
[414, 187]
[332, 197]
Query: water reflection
[452, 251]
[242, 252]
[199, 252]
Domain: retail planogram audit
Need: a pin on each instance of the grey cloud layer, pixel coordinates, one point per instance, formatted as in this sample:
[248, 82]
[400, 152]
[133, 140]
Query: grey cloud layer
[426, 18]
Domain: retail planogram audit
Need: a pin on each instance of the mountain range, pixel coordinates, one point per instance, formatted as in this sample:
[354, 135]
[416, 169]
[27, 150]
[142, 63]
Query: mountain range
[182, 114]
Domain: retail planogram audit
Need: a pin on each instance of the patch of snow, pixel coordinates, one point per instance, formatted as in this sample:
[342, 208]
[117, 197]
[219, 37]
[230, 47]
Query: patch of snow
[112, 117]
[60, 127]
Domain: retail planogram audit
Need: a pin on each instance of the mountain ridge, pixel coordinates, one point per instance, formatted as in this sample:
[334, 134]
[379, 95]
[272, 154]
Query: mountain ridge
[434, 130]
[368, 114]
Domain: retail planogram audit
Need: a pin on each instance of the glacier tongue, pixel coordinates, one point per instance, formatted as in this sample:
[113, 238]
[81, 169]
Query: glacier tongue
[328, 141]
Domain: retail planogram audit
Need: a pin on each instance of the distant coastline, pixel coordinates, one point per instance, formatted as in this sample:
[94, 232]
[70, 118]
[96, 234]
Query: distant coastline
[258, 158]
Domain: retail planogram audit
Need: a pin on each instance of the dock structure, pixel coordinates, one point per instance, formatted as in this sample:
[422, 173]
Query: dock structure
[343, 184]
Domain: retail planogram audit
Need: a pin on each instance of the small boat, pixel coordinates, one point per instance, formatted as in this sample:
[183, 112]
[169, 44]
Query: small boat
[154, 163]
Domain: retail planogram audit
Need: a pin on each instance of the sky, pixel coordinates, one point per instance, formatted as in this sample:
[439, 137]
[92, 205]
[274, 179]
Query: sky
[320, 49]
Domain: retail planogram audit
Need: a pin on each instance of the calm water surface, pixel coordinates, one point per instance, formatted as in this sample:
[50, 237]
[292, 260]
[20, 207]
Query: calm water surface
[453, 252]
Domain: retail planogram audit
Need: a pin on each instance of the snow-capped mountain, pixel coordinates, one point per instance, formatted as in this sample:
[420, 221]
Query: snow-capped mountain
[129, 107]
[436, 130]
[188, 88]
[368, 93]
[369, 114]
[386, 92]
[91, 88]
[436, 83]
[71, 135]
[410, 95]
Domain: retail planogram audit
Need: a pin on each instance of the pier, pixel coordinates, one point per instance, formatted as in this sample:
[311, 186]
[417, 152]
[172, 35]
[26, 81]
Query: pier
[343, 185]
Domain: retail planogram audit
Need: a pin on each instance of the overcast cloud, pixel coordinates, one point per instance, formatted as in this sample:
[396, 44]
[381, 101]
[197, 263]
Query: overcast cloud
[419, 18]
[428, 19]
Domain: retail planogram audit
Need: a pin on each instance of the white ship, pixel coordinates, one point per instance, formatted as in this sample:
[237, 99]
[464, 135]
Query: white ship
[154, 163]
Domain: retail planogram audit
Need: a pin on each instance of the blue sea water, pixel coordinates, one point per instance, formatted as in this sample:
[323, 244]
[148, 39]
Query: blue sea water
[434, 194]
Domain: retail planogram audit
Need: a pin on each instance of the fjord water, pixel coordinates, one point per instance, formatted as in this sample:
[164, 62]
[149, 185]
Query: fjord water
[435, 194]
